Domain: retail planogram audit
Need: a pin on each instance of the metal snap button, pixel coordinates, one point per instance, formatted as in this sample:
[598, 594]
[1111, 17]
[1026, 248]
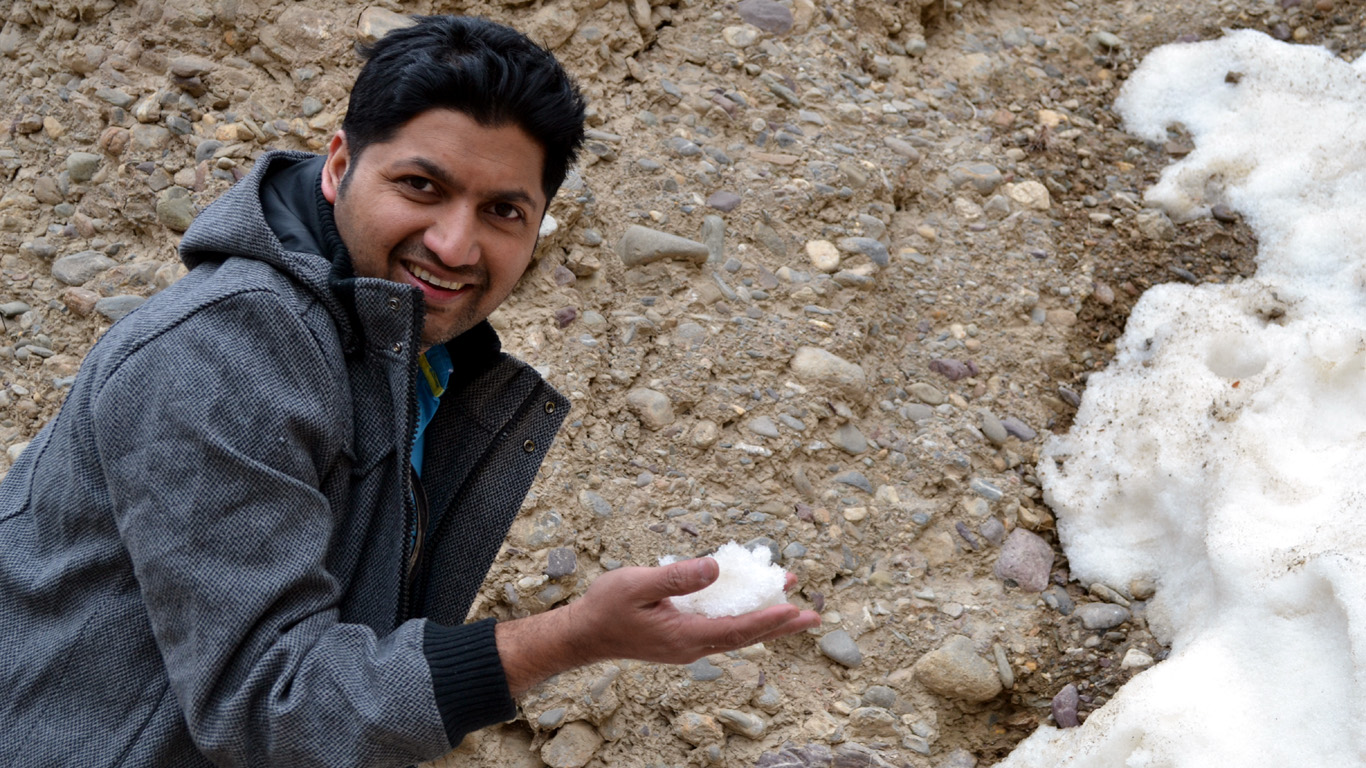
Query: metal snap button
[393, 303]
[529, 446]
[397, 348]
[550, 407]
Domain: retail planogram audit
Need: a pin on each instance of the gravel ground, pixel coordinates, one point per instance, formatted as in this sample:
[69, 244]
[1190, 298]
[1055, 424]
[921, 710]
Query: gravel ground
[827, 276]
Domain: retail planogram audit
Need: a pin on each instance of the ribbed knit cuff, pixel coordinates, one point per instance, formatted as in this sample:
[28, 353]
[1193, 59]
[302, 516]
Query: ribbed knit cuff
[467, 676]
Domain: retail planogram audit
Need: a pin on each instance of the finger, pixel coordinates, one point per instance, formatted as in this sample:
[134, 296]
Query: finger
[679, 578]
[789, 582]
[731, 632]
[804, 621]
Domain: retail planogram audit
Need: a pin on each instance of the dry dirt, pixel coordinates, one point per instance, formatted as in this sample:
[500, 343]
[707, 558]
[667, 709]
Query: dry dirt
[796, 124]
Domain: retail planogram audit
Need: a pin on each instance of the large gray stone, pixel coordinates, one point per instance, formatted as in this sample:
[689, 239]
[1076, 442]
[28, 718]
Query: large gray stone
[768, 15]
[79, 268]
[955, 670]
[82, 166]
[653, 408]
[642, 245]
[840, 647]
[813, 364]
[1025, 559]
[115, 307]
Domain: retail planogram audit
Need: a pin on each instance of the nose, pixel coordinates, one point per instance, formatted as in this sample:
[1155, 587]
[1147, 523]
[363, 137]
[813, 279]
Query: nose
[453, 236]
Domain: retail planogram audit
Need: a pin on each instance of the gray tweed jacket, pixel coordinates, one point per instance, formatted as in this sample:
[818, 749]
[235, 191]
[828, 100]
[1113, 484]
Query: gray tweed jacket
[204, 558]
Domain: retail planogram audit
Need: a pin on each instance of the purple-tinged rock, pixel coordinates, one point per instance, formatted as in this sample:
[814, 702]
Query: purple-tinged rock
[723, 201]
[1065, 707]
[1026, 559]
[770, 16]
[565, 316]
[564, 275]
[1019, 429]
[561, 562]
[953, 370]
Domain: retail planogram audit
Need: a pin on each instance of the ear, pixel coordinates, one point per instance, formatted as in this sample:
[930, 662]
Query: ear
[335, 167]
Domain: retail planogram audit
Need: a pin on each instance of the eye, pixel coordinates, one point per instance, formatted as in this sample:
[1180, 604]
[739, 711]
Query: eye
[506, 211]
[418, 183]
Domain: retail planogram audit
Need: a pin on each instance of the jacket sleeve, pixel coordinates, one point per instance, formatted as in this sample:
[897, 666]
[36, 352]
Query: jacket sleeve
[216, 438]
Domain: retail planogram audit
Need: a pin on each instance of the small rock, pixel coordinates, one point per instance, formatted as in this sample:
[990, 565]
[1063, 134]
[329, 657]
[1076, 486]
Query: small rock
[993, 429]
[80, 301]
[824, 255]
[770, 16]
[903, 148]
[1155, 225]
[953, 370]
[874, 250]
[698, 729]
[849, 439]
[714, 236]
[703, 671]
[115, 307]
[653, 408]
[191, 66]
[956, 671]
[873, 723]
[983, 177]
[880, 696]
[561, 562]
[1065, 707]
[595, 503]
[1019, 429]
[840, 647]
[743, 723]
[377, 22]
[82, 166]
[79, 268]
[813, 364]
[740, 36]
[927, 393]
[723, 201]
[14, 308]
[856, 479]
[572, 747]
[1101, 615]
[175, 208]
[1031, 194]
[763, 426]
[552, 718]
[641, 245]
[985, 490]
[1135, 659]
[1025, 559]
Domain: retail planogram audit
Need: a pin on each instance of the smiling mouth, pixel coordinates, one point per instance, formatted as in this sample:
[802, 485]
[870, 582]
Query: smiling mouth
[428, 277]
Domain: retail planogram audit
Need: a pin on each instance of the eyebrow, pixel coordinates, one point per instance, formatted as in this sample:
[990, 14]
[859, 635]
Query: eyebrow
[439, 173]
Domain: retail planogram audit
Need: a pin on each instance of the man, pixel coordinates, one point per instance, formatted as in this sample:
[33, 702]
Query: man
[253, 532]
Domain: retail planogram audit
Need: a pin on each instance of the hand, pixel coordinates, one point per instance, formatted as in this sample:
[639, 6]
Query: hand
[626, 614]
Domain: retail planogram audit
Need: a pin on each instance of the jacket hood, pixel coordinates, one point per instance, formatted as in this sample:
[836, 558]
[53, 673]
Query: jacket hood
[236, 225]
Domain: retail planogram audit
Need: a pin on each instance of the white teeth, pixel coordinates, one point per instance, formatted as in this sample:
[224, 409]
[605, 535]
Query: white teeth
[428, 277]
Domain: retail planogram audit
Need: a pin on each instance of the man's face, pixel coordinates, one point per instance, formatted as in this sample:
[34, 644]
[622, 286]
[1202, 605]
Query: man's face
[446, 205]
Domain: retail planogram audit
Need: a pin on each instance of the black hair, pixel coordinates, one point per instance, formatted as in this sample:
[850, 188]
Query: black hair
[492, 73]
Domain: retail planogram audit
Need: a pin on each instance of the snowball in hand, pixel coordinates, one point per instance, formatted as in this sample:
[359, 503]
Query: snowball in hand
[748, 582]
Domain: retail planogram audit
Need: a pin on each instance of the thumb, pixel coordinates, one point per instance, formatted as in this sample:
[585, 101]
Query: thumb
[683, 578]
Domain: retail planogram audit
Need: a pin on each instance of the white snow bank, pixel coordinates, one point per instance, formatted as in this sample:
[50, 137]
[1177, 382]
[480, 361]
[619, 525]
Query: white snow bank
[1223, 453]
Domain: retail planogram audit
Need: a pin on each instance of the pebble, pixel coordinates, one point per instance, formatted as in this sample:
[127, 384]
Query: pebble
[816, 365]
[561, 562]
[80, 268]
[769, 15]
[982, 177]
[642, 245]
[1102, 615]
[824, 255]
[1025, 559]
[594, 503]
[1155, 225]
[952, 369]
[377, 22]
[903, 148]
[993, 530]
[880, 696]
[874, 250]
[985, 490]
[856, 479]
[653, 408]
[175, 208]
[956, 671]
[841, 648]
[116, 307]
[873, 723]
[849, 439]
[1058, 599]
[743, 723]
[13, 308]
[1030, 194]
[82, 166]
[1019, 429]
[703, 670]
[723, 201]
[740, 36]
[698, 729]
[1136, 659]
[927, 393]
[1142, 588]
[572, 746]
[552, 718]
[1065, 707]
[993, 429]
[763, 426]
